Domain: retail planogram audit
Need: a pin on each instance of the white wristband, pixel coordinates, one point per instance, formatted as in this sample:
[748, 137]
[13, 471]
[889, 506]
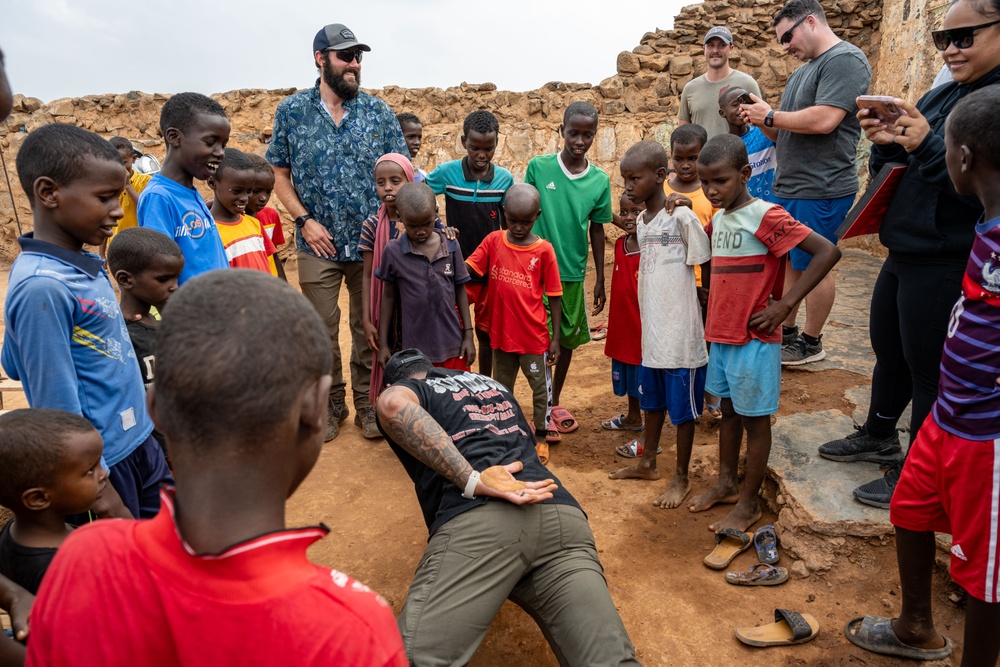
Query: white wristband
[470, 486]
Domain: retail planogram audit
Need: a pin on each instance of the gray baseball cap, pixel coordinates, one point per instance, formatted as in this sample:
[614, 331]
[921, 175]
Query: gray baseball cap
[338, 37]
[720, 31]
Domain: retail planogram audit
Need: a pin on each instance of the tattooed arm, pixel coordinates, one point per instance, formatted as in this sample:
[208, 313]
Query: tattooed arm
[415, 430]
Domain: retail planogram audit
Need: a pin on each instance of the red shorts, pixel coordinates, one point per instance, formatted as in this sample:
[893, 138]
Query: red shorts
[478, 293]
[952, 485]
[455, 364]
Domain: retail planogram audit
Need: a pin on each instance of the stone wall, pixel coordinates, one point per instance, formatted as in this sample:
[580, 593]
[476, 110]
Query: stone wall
[637, 102]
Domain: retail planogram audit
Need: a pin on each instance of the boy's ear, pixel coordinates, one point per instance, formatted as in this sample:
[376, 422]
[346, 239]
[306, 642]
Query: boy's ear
[151, 407]
[46, 192]
[211, 182]
[313, 404]
[967, 158]
[36, 499]
[661, 174]
[722, 113]
[172, 137]
[745, 173]
[124, 279]
[463, 141]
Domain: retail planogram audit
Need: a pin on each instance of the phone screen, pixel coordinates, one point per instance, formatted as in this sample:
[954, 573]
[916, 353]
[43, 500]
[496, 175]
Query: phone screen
[745, 99]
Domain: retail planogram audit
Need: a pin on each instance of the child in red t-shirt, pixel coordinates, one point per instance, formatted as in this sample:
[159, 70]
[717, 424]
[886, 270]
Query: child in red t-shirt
[521, 269]
[269, 220]
[624, 341]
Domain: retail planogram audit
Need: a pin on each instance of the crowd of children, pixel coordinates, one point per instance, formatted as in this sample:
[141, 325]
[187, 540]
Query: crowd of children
[695, 314]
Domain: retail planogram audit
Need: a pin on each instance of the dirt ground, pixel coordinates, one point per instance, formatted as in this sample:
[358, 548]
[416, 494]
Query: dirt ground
[676, 610]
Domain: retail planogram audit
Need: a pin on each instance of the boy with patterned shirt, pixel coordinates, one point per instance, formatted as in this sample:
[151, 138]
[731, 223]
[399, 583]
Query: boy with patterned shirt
[522, 269]
[576, 204]
[474, 190]
[759, 147]
[750, 239]
[196, 131]
[243, 237]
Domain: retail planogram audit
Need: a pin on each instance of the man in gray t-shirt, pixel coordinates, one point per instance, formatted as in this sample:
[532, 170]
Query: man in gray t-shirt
[700, 97]
[816, 132]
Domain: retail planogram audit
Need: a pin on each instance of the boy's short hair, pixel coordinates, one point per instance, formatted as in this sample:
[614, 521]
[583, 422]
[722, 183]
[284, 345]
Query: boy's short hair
[233, 160]
[580, 108]
[181, 110]
[260, 165]
[415, 198]
[796, 9]
[134, 249]
[725, 149]
[409, 119]
[405, 364]
[122, 144]
[480, 121]
[648, 154]
[522, 196]
[688, 135]
[728, 91]
[974, 122]
[32, 446]
[57, 151]
[214, 353]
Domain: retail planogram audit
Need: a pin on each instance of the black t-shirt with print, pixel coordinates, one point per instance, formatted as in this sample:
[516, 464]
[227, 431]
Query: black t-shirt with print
[488, 428]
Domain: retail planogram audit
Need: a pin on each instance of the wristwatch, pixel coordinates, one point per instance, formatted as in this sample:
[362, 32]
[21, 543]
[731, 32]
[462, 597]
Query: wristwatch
[769, 119]
[301, 220]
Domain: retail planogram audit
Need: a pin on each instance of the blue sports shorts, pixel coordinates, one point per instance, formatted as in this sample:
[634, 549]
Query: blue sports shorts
[749, 375]
[679, 391]
[823, 216]
[624, 379]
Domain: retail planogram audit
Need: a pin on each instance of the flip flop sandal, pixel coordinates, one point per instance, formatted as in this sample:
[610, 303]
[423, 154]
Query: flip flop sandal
[760, 574]
[729, 543]
[875, 634]
[789, 627]
[542, 449]
[559, 416]
[714, 410]
[633, 450]
[600, 332]
[765, 540]
[618, 424]
[552, 436]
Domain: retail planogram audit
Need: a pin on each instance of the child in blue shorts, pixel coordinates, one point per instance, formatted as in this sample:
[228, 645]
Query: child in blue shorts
[672, 374]
[623, 344]
[750, 239]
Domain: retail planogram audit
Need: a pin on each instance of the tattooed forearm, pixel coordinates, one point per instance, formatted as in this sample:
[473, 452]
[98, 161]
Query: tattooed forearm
[413, 429]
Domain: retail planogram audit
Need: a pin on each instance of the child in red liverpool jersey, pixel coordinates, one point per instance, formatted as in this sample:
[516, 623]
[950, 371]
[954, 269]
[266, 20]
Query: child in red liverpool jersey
[521, 269]
[624, 341]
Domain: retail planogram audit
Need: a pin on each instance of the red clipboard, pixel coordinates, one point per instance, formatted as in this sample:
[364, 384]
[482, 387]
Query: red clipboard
[866, 215]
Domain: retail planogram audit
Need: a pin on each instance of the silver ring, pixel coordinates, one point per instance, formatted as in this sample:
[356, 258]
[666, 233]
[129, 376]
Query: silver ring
[902, 132]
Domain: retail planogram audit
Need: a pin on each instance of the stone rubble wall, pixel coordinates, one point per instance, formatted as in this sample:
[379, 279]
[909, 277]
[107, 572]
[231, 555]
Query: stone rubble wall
[637, 102]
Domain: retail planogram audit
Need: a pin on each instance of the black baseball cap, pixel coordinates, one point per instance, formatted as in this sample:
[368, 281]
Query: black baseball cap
[396, 368]
[337, 37]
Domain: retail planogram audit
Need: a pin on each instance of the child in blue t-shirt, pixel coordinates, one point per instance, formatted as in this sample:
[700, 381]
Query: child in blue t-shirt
[760, 149]
[196, 131]
[65, 338]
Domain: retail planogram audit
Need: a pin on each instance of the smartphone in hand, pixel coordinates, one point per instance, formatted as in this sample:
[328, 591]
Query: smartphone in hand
[746, 99]
[882, 107]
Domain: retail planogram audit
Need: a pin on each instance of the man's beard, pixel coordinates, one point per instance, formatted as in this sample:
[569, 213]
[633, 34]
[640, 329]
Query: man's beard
[343, 89]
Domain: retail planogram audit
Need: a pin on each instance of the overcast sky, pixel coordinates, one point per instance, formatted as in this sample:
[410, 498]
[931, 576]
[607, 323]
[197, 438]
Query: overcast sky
[70, 48]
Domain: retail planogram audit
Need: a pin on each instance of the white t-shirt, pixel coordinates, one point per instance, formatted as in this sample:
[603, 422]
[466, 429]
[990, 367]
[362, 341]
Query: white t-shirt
[673, 335]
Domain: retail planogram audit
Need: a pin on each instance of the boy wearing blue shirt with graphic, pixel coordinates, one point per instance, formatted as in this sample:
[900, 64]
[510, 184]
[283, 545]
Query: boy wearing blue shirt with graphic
[66, 339]
[196, 131]
[760, 149]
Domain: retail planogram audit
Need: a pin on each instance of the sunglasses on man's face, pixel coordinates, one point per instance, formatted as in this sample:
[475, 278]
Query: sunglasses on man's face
[961, 37]
[348, 56]
[787, 37]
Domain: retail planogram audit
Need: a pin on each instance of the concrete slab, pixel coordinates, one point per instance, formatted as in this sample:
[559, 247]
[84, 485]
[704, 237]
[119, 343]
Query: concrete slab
[818, 492]
[845, 337]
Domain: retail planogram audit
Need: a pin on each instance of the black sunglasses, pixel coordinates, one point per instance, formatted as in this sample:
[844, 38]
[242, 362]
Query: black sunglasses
[348, 56]
[787, 37]
[960, 37]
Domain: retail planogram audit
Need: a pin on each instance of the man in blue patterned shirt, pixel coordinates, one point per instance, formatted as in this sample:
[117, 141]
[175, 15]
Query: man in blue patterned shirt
[324, 146]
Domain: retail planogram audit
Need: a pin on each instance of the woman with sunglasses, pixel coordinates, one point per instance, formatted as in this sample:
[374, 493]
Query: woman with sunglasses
[928, 231]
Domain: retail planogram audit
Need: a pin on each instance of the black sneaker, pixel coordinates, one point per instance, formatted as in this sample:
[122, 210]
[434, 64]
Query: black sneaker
[789, 335]
[860, 446]
[800, 352]
[878, 493]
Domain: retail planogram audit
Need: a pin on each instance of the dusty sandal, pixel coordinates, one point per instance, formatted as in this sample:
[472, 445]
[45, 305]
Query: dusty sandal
[633, 449]
[729, 543]
[561, 419]
[765, 540]
[600, 332]
[760, 574]
[542, 449]
[875, 634]
[789, 627]
[618, 424]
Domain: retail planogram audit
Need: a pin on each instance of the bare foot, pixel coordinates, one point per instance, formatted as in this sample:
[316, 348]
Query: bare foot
[639, 471]
[740, 517]
[675, 494]
[717, 494]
